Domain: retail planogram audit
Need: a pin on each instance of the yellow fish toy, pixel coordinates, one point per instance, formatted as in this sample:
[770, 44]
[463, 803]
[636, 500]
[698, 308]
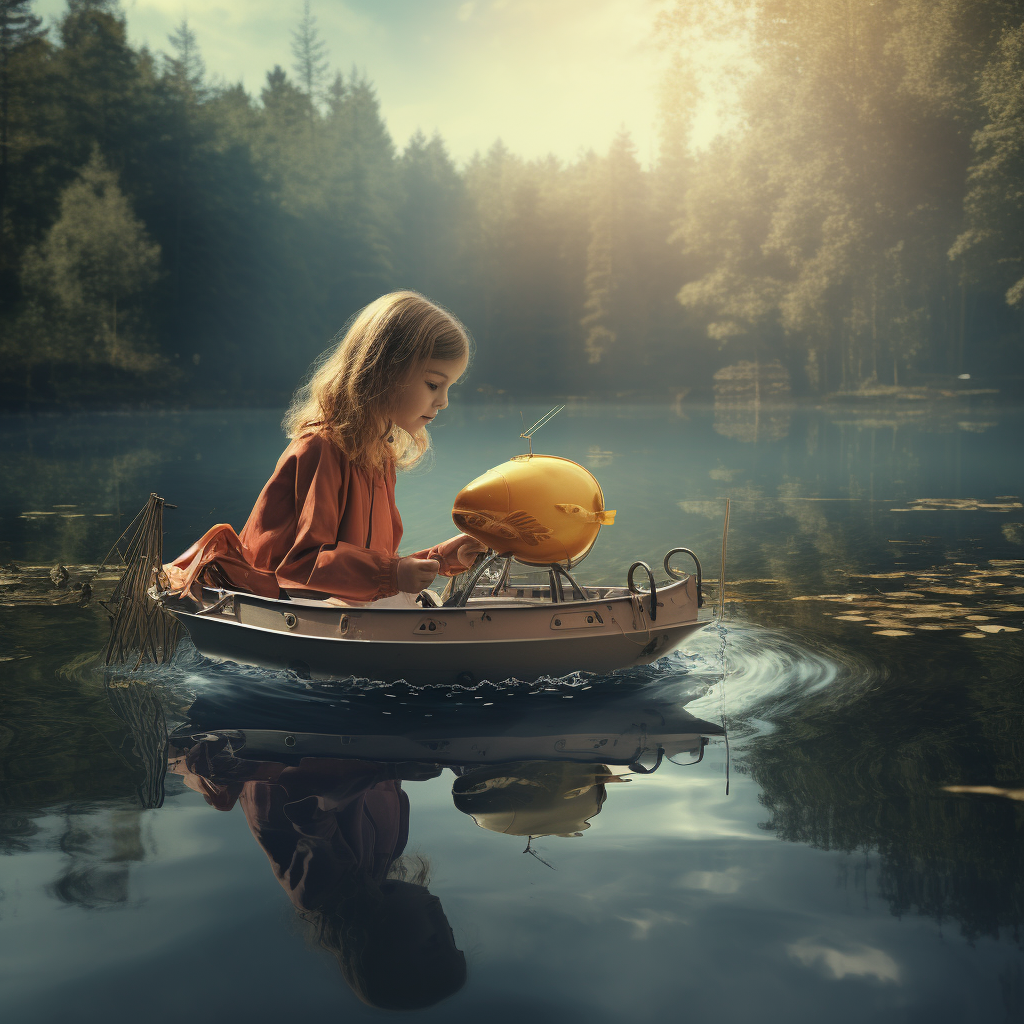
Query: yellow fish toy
[540, 509]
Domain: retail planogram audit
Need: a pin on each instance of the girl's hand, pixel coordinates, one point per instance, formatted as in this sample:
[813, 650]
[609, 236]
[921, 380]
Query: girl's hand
[416, 574]
[468, 550]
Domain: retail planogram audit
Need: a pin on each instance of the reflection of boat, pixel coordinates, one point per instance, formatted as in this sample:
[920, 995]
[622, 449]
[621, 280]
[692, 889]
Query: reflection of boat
[493, 631]
[637, 729]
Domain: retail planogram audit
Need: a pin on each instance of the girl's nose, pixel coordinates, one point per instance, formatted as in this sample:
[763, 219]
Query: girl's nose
[442, 403]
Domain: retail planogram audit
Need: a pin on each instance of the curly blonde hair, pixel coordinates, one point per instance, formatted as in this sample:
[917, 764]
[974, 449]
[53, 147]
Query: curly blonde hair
[351, 396]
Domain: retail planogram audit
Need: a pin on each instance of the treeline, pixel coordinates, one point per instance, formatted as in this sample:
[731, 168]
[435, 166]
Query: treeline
[163, 232]
[866, 221]
[164, 236]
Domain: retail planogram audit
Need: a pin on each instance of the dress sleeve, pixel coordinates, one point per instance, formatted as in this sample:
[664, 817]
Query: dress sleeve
[446, 554]
[317, 560]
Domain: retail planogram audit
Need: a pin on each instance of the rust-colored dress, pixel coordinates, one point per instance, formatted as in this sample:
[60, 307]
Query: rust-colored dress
[321, 525]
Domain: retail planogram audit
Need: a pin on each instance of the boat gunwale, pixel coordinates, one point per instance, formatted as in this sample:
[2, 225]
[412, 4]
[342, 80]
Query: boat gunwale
[428, 639]
[513, 604]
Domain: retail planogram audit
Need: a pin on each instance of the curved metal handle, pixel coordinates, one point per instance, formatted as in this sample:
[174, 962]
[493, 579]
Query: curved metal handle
[636, 766]
[654, 586]
[676, 575]
[460, 597]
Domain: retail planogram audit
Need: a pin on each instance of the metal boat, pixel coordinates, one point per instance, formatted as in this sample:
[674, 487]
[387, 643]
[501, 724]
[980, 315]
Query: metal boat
[486, 630]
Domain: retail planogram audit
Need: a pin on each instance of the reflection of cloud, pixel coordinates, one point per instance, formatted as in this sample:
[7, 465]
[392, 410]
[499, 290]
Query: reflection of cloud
[860, 961]
[688, 807]
[721, 883]
[597, 458]
[647, 919]
[710, 509]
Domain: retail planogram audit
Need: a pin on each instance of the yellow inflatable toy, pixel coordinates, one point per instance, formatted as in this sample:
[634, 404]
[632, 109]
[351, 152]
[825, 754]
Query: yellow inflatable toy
[538, 508]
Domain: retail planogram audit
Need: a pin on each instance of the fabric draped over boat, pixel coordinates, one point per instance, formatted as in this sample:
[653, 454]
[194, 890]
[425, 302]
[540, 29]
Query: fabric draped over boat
[320, 524]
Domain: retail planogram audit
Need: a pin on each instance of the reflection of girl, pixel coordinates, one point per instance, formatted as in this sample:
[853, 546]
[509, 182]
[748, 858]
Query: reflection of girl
[326, 523]
[333, 831]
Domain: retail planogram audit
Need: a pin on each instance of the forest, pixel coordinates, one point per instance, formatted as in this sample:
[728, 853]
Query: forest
[167, 238]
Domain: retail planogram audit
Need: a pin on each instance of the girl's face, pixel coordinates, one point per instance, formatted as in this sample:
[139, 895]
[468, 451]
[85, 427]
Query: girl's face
[425, 393]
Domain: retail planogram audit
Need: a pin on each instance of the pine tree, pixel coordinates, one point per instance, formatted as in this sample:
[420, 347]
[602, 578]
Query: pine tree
[617, 302]
[430, 215]
[186, 70]
[18, 26]
[312, 65]
[283, 143]
[360, 192]
[96, 257]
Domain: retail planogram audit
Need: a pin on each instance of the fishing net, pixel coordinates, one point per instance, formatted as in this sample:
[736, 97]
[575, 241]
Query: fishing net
[140, 629]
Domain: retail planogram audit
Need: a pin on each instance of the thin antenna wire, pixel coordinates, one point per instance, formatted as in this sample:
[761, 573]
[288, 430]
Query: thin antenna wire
[533, 853]
[528, 434]
[728, 757]
[721, 615]
[721, 578]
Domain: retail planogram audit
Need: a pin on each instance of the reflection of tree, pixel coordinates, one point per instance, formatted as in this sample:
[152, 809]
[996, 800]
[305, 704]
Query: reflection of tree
[868, 776]
[89, 463]
[746, 397]
[99, 846]
[67, 744]
[16, 829]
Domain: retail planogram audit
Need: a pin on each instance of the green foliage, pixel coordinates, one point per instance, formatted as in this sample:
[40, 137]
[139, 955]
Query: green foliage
[822, 225]
[992, 243]
[20, 43]
[94, 259]
[861, 221]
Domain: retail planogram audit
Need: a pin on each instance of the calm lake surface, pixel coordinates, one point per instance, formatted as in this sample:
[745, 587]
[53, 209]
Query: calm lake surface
[811, 867]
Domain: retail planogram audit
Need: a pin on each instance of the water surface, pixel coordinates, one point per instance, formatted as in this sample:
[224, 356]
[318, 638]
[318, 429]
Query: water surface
[869, 658]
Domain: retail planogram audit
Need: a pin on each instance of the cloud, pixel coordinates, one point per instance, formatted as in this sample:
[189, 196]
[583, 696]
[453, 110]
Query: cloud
[858, 962]
[465, 12]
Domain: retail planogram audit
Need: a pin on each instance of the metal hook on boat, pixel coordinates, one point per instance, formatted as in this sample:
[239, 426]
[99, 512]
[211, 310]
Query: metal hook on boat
[555, 573]
[700, 757]
[636, 766]
[633, 589]
[677, 575]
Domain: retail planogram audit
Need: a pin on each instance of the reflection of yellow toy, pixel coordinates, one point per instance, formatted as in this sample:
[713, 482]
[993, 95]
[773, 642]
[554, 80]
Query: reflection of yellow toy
[539, 508]
[534, 798]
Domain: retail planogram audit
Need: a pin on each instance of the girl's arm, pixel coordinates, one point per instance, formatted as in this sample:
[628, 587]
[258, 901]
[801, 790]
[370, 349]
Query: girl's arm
[454, 555]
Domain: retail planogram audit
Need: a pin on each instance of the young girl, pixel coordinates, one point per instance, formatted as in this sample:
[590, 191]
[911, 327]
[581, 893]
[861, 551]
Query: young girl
[325, 524]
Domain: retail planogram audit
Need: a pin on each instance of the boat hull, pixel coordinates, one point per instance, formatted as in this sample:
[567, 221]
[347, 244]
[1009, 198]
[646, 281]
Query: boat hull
[489, 639]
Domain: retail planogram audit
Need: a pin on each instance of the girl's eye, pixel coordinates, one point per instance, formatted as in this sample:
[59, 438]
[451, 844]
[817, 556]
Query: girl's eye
[433, 387]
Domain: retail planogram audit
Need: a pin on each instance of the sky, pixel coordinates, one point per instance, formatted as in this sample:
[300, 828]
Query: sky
[545, 76]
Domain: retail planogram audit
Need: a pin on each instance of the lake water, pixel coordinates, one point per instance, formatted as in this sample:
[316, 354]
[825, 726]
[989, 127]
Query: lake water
[810, 867]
